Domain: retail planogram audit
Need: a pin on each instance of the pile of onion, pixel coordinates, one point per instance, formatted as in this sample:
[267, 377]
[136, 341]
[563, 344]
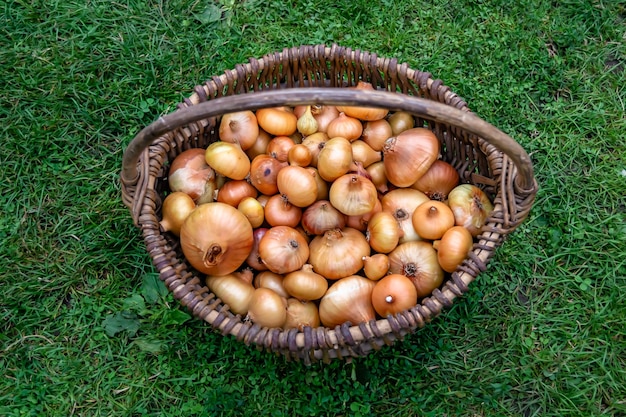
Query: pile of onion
[321, 215]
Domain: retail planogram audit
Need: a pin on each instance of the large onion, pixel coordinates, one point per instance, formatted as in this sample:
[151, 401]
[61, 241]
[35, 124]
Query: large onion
[338, 253]
[409, 155]
[216, 238]
[190, 174]
[348, 299]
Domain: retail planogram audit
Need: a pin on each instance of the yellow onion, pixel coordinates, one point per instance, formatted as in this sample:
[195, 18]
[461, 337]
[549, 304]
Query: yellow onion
[401, 203]
[315, 143]
[277, 121]
[301, 314]
[297, 185]
[417, 261]
[279, 147]
[324, 115]
[376, 133]
[338, 252]
[378, 177]
[335, 158]
[228, 160]
[322, 216]
[363, 153]
[363, 113]
[305, 284]
[233, 191]
[259, 147]
[271, 280]
[353, 195]
[409, 155]
[253, 210]
[190, 174]
[280, 212]
[376, 266]
[383, 232]
[360, 222]
[393, 294]
[348, 299]
[240, 128]
[283, 249]
[232, 291]
[322, 186]
[471, 207]
[431, 219]
[307, 124]
[400, 121]
[267, 309]
[453, 247]
[216, 238]
[264, 172]
[176, 208]
[438, 181]
[346, 127]
[299, 155]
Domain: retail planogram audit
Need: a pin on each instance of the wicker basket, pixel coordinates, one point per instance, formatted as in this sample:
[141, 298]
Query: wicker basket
[483, 155]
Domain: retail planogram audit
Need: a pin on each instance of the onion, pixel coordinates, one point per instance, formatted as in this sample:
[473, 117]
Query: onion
[267, 309]
[338, 253]
[253, 210]
[297, 185]
[216, 238]
[383, 232]
[438, 181]
[360, 222]
[280, 212]
[363, 113]
[346, 127]
[315, 143]
[240, 128]
[417, 261]
[409, 155]
[324, 115]
[176, 208]
[305, 284]
[322, 186]
[376, 266]
[471, 207]
[393, 294]
[400, 121]
[307, 124]
[335, 159]
[347, 300]
[376, 132]
[279, 147]
[254, 260]
[353, 195]
[190, 174]
[277, 121]
[377, 174]
[431, 219]
[453, 247]
[264, 173]
[233, 191]
[299, 155]
[232, 291]
[401, 203]
[228, 159]
[271, 280]
[283, 249]
[259, 147]
[322, 216]
[301, 314]
[363, 153]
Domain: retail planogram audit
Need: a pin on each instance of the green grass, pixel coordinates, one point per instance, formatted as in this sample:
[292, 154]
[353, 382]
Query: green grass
[541, 333]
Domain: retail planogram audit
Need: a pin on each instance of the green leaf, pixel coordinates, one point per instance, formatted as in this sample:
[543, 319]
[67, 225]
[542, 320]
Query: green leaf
[175, 317]
[119, 322]
[211, 14]
[153, 288]
[149, 344]
[135, 303]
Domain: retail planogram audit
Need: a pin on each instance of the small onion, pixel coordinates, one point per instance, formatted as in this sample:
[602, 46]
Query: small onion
[240, 128]
[280, 212]
[176, 208]
[438, 181]
[232, 291]
[400, 121]
[271, 280]
[279, 147]
[363, 153]
[338, 252]
[216, 238]
[253, 210]
[315, 143]
[409, 155]
[453, 247]
[260, 145]
[377, 174]
[417, 261]
[264, 172]
[283, 249]
[233, 191]
[267, 309]
[471, 207]
[324, 115]
[393, 294]
[401, 203]
[348, 300]
[190, 174]
[297, 185]
[353, 195]
[322, 216]
[383, 232]
[376, 266]
[431, 219]
[228, 159]
[299, 155]
[277, 121]
[307, 124]
[376, 132]
[346, 127]
[305, 284]
[301, 314]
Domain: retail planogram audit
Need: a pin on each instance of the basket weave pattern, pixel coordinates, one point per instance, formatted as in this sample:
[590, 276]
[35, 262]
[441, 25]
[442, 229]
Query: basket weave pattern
[478, 161]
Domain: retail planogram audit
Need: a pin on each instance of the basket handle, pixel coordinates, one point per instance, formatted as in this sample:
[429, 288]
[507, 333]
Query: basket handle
[425, 108]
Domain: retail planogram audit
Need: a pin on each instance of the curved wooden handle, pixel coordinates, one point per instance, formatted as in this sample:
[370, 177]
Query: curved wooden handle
[427, 109]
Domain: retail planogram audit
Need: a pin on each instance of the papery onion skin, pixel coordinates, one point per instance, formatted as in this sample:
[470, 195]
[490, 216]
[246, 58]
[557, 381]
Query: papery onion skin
[307, 124]
[279, 147]
[315, 143]
[216, 238]
[360, 222]
[324, 115]
[471, 207]
[453, 247]
[438, 181]
[338, 253]
[363, 153]
[393, 294]
[417, 261]
[322, 186]
[177, 206]
[376, 132]
[409, 155]
[260, 145]
[347, 300]
[190, 174]
[232, 291]
[267, 309]
[283, 249]
[299, 155]
[301, 314]
[353, 195]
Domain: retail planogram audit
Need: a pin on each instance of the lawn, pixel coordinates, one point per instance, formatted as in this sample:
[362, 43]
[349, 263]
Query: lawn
[85, 326]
